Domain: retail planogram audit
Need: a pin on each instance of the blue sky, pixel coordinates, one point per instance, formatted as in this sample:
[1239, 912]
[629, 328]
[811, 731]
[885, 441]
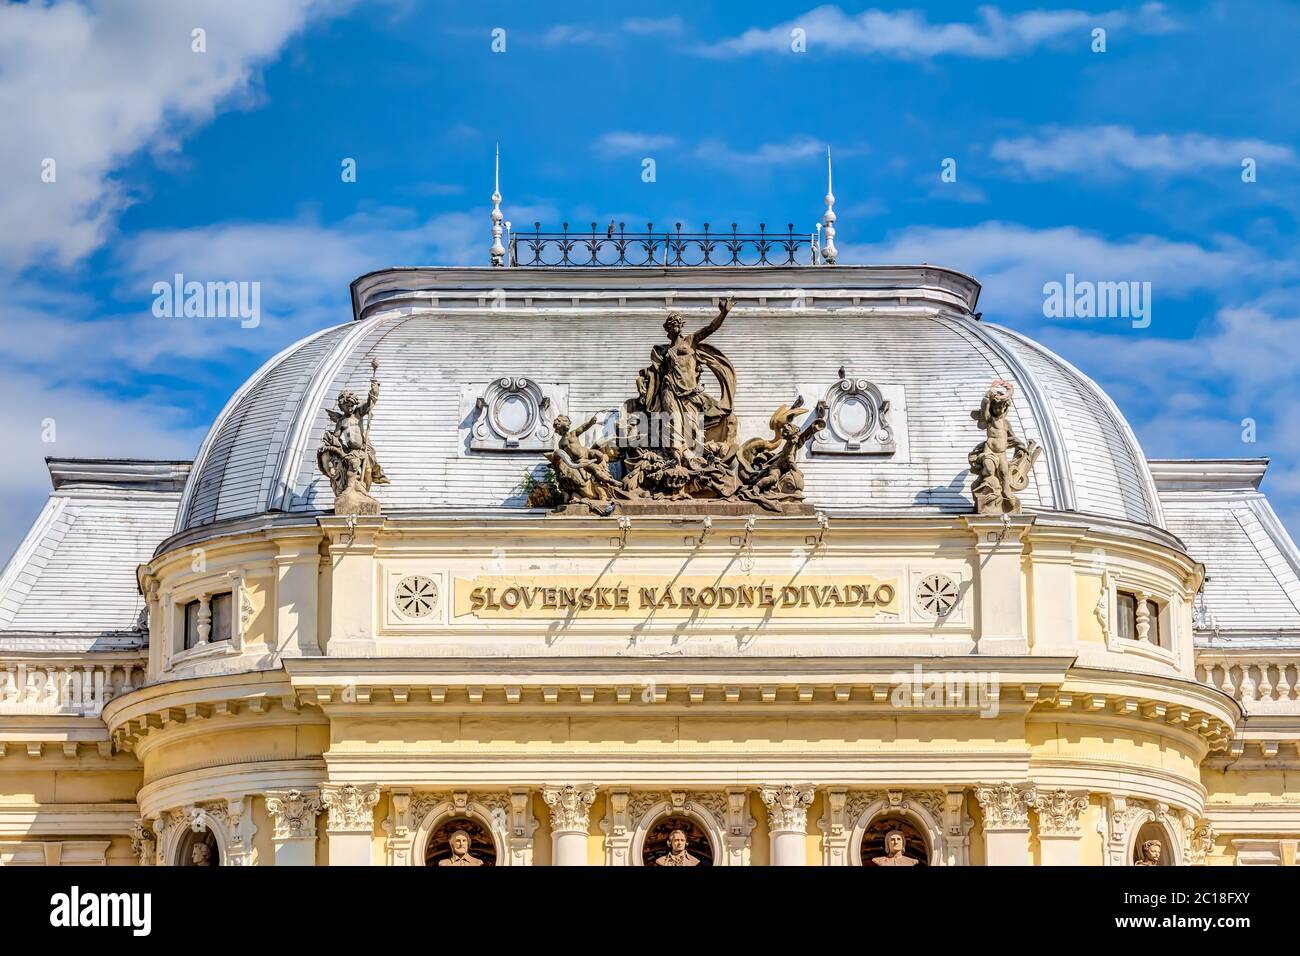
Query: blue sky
[1122, 165]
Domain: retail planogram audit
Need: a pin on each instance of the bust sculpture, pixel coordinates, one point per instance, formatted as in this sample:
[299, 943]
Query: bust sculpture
[677, 854]
[346, 456]
[895, 844]
[460, 855]
[1150, 853]
[997, 480]
[201, 855]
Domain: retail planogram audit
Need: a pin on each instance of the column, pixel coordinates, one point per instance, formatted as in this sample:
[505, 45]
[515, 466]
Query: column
[570, 808]
[1052, 628]
[351, 822]
[293, 813]
[352, 577]
[297, 586]
[787, 822]
[956, 826]
[1060, 842]
[999, 548]
[1006, 822]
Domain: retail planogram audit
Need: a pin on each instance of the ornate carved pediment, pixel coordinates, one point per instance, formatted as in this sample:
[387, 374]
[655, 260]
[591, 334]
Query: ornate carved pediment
[858, 420]
[512, 413]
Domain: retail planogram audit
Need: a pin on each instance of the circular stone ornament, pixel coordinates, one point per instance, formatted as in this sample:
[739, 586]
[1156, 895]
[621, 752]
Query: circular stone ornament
[416, 595]
[937, 595]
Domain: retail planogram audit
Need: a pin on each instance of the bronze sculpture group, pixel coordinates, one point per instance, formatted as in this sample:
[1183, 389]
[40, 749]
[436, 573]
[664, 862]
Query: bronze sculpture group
[676, 442]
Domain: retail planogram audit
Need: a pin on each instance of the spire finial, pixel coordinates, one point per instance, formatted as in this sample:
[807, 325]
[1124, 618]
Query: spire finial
[498, 251]
[829, 251]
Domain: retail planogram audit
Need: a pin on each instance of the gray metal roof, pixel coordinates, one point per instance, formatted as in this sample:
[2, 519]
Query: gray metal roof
[434, 334]
[1252, 586]
[74, 573]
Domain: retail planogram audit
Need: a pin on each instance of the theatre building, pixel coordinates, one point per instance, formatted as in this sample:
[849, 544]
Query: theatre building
[655, 550]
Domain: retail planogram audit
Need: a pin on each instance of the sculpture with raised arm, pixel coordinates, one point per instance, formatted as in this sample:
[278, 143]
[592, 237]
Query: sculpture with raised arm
[346, 456]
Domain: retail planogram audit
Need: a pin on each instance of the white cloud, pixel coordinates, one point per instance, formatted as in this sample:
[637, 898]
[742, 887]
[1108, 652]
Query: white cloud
[1099, 152]
[90, 84]
[622, 143]
[663, 26]
[908, 35]
[794, 150]
[1013, 261]
[85, 424]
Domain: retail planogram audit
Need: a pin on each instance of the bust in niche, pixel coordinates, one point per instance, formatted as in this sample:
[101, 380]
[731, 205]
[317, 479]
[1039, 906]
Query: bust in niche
[677, 854]
[1150, 853]
[895, 844]
[460, 855]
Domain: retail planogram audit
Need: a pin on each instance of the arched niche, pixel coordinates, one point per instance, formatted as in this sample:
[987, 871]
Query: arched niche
[655, 823]
[439, 821]
[917, 816]
[1148, 826]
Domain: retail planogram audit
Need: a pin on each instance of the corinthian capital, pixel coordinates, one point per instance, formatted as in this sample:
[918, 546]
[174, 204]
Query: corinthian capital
[293, 812]
[1058, 811]
[1006, 805]
[787, 806]
[351, 808]
[570, 806]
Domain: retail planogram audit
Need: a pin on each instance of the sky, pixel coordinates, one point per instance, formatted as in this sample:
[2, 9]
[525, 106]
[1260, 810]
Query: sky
[1141, 143]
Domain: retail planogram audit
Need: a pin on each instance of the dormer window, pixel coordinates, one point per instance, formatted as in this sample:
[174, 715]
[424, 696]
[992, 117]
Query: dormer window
[209, 619]
[1137, 618]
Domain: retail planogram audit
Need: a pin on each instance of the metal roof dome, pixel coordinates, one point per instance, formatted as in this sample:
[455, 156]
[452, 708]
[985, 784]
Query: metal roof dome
[438, 333]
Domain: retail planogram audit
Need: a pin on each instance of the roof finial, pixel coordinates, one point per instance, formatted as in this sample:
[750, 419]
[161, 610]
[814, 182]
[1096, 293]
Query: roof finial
[498, 251]
[828, 220]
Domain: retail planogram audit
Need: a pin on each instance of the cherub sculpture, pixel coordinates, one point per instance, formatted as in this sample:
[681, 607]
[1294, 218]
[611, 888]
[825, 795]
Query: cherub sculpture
[769, 470]
[582, 474]
[346, 456]
[997, 480]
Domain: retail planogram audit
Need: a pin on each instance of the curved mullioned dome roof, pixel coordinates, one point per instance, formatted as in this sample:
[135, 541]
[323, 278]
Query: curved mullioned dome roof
[260, 454]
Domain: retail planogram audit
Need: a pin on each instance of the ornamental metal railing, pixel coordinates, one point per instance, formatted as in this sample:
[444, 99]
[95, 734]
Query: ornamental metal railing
[614, 246]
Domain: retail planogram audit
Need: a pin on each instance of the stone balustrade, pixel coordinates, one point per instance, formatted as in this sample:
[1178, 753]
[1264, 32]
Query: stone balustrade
[66, 685]
[1263, 682]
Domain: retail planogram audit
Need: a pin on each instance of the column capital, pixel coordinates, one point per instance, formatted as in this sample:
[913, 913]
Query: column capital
[787, 806]
[351, 808]
[293, 813]
[570, 806]
[1058, 811]
[1006, 805]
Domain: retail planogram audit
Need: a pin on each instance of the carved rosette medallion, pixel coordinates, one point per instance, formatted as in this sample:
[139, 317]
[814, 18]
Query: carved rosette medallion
[1006, 805]
[1059, 811]
[936, 595]
[416, 596]
[351, 808]
[293, 813]
[570, 806]
[787, 806]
